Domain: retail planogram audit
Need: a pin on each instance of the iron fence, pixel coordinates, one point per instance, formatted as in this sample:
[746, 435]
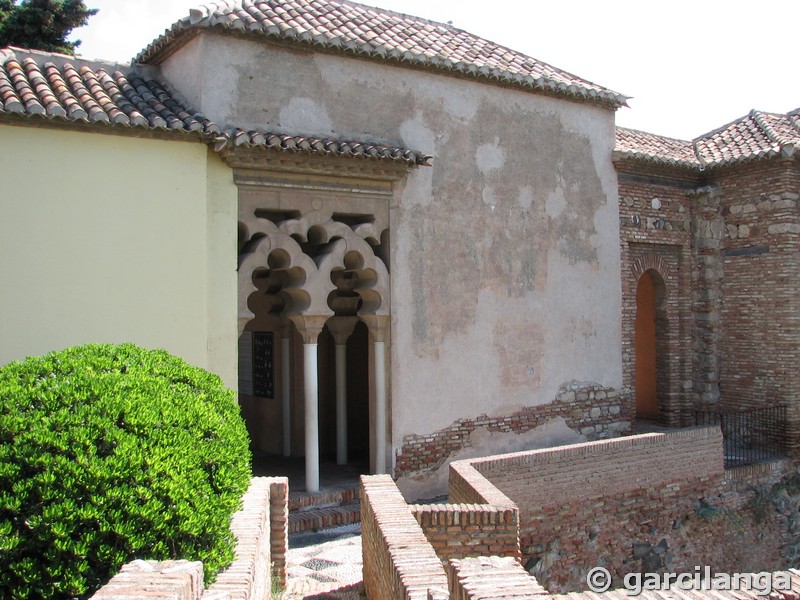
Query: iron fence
[749, 436]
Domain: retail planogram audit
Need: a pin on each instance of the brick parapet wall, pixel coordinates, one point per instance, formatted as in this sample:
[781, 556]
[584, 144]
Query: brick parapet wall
[279, 529]
[491, 578]
[569, 474]
[168, 580]
[469, 530]
[590, 409]
[399, 562]
[659, 502]
[655, 501]
[260, 529]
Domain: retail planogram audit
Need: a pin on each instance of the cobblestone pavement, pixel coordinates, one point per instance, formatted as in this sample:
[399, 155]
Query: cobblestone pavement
[325, 565]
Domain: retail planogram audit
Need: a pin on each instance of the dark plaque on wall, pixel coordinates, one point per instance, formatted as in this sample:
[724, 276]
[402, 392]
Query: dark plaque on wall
[263, 380]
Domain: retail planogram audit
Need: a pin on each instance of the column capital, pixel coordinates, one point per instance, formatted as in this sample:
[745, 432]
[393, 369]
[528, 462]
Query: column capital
[286, 328]
[378, 325]
[341, 328]
[309, 326]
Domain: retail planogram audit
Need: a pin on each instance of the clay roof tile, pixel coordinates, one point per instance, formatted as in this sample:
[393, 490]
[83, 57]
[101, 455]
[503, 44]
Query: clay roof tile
[382, 34]
[756, 135]
[43, 85]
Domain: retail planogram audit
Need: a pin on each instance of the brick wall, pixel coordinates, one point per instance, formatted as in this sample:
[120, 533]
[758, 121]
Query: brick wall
[649, 503]
[581, 472]
[655, 237]
[725, 242]
[261, 531]
[591, 410]
[653, 502]
[463, 530]
[491, 578]
[761, 313]
[399, 563]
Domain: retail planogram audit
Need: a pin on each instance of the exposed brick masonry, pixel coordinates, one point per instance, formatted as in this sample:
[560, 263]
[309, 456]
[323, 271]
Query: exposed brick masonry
[461, 530]
[729, 324]
[580, 472]
[659, 502]
[590, 409]
[491, 578]
[399, 563]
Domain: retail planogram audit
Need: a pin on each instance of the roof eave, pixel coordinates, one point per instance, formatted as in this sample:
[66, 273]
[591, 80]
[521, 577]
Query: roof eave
[186, 29]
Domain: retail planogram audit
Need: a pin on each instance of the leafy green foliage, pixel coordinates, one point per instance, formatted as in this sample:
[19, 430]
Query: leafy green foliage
[42, 24]
[108, 454]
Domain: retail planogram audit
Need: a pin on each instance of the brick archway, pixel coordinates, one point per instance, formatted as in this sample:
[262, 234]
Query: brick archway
[650, 347]
[665, 264]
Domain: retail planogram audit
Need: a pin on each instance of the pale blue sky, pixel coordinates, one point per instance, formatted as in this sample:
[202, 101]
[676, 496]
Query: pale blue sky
[690, 65]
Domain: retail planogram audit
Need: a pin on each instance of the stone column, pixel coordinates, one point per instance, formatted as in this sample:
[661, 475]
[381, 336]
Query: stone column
[709, 228]
[310, 326]
[286, 381]
[379, 328]
[341, 329]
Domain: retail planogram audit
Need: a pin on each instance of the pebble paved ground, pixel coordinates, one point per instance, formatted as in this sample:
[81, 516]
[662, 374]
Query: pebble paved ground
[325, 565]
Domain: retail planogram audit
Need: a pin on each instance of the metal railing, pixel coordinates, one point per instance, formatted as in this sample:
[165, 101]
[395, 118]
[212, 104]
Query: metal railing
[750, 436]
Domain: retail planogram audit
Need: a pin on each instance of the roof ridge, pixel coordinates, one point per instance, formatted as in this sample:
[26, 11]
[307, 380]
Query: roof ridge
[386, 35]
[794, 119]
[709, 134]
[60, 58]
[703, 162]
[767, 128]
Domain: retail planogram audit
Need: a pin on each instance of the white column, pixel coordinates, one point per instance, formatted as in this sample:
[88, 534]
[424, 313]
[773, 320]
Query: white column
[380, 407]
[310, 385]
[379, 328]
[310, 326]
[341, 328]
[341, 404]
[286, 380]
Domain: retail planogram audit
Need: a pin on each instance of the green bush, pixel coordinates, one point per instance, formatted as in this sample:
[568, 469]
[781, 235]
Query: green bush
[108, 454]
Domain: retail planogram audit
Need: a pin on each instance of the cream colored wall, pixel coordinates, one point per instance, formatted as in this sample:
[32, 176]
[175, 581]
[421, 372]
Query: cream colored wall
[108, 238]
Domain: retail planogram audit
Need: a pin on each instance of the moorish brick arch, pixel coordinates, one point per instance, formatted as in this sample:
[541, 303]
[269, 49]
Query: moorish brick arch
[667, 266]
[650, 261]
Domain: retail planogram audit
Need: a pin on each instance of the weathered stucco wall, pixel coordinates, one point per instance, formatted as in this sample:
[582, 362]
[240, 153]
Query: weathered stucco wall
[110, 239]
[504, 254]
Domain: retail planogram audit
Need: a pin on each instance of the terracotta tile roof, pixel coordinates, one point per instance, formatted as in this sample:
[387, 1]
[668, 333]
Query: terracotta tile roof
[631, 143]
[340, 25]
[65, 89]
[756, 135]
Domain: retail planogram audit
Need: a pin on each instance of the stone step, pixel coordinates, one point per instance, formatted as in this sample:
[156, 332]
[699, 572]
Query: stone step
[326, 498]
[313, 519]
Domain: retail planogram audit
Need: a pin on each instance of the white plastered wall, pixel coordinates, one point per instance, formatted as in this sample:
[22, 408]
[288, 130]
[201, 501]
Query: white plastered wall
[111, 239]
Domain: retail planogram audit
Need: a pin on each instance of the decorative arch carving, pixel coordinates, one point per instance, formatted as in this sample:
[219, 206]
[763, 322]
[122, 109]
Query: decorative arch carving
[274, 250]
[345, 264]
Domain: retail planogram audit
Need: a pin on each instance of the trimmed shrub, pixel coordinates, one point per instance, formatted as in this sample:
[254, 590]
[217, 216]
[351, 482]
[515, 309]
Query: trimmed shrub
[109, 454]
